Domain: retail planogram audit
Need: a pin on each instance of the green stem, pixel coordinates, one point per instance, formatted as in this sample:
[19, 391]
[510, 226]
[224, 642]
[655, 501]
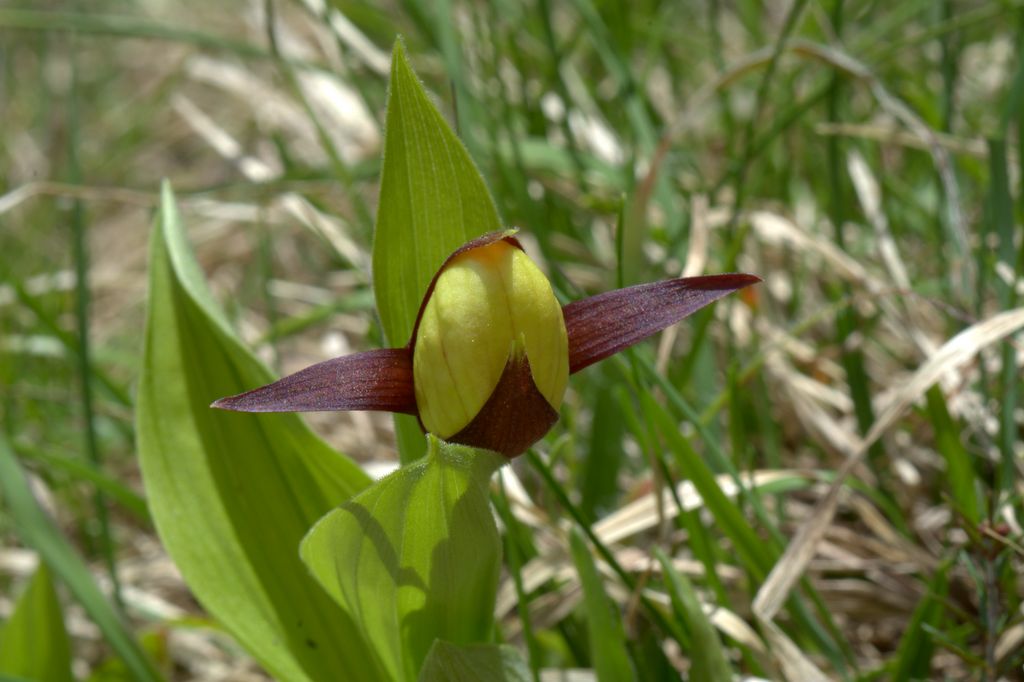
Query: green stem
[101, 532]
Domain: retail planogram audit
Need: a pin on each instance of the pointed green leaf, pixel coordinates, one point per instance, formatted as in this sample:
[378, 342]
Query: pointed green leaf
[708, 662]
[604, 623]
[37, 531]
[233, 494]
[416, 556]
[449, 662]
[34, 643]
[432, 201]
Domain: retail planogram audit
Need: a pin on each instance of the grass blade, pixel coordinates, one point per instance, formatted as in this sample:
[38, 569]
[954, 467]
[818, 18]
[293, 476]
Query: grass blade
[914, 656]
[960, 475]
[76, 469]
[708, 662]
[91, 446]
[755, 554]
[604, 624]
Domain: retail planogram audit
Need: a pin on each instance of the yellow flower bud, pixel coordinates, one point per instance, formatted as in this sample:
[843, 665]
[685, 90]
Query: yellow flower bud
[489, 306]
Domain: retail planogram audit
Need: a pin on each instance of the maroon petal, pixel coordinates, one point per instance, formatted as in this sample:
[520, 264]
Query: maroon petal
[374, 380]
[516, 415]
[603, 325]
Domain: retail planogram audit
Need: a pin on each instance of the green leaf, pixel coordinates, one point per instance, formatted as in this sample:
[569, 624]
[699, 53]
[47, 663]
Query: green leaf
[34, 643]
[232, 494]
[449, 662]
[707, 658]
[432, 201]
[416, 556]
[604, 623]
[37, 531]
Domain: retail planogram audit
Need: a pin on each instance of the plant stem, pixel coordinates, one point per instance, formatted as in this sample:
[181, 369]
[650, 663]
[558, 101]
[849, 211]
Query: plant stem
[101, 531]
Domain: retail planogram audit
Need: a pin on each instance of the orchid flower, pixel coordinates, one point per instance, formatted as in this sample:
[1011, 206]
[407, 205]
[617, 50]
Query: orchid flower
[491, 351]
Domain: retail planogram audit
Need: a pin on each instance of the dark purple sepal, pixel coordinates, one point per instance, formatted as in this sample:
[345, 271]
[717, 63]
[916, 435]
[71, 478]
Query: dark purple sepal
[605, 324]
[516, 415]
[374, 380]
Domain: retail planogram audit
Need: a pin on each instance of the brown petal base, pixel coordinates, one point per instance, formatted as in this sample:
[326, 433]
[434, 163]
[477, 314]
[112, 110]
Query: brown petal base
[516, 415]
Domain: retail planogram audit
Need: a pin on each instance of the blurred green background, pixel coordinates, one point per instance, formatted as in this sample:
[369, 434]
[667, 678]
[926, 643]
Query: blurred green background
[863, 157]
